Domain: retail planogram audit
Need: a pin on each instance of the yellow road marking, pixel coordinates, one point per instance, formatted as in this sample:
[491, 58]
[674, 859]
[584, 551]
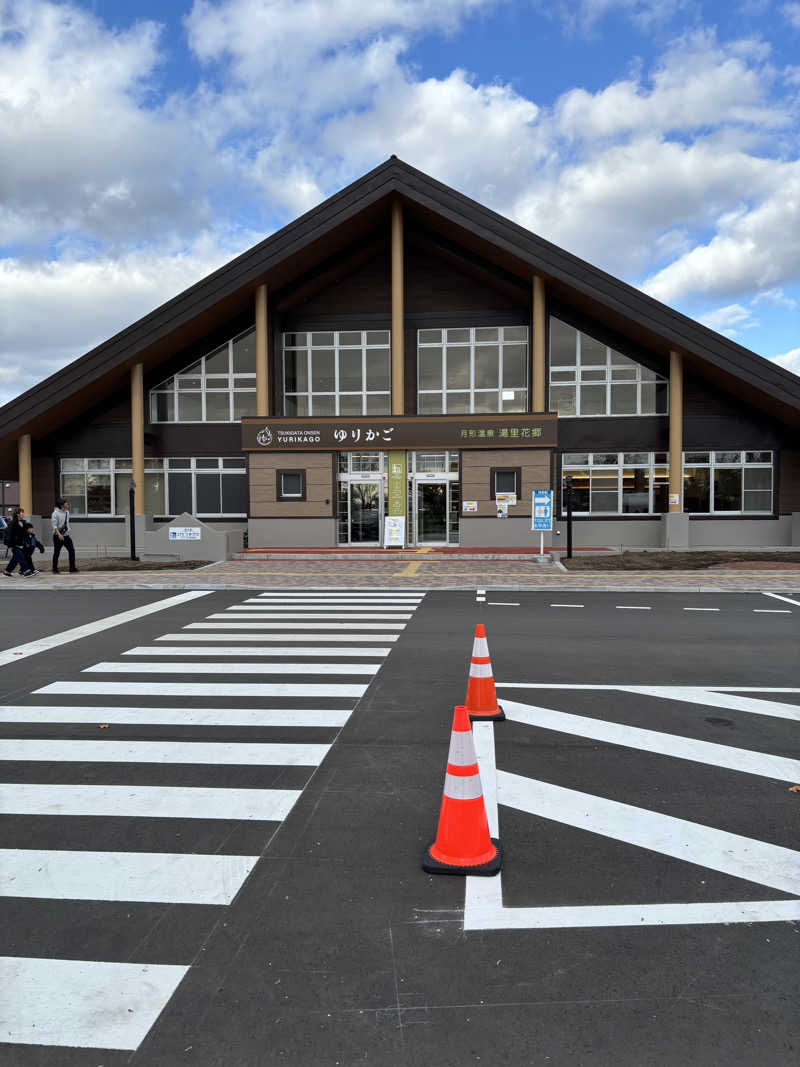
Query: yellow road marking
[409, 570]
[424, 550]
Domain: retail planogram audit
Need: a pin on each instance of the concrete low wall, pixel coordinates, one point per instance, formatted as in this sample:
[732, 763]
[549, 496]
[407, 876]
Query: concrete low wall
[744, 533]
[499, 533]
[153, 540]
[292, 533]
[624, 533]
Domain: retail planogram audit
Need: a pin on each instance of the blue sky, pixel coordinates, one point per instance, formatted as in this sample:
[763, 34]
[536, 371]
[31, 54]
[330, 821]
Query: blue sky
[144, 144]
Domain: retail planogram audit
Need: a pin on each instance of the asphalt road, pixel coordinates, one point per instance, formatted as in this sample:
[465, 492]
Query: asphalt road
[337, 948]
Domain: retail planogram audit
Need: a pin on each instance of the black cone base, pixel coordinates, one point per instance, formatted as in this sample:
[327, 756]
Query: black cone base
[487, 869]
[498, 716]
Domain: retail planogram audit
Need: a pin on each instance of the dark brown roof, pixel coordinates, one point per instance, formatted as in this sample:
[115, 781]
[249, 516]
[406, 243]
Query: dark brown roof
[294, 248]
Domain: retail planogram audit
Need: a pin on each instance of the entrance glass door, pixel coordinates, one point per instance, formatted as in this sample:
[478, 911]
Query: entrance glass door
[365, 516]
[431, 517]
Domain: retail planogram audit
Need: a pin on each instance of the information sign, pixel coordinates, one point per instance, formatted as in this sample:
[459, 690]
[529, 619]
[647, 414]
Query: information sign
[185, 533]
[394, 531]
[469, 507]
[542, 510]
[505, 500]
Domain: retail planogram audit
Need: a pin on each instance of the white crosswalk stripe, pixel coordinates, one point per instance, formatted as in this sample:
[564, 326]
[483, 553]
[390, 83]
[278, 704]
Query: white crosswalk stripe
[340, 638]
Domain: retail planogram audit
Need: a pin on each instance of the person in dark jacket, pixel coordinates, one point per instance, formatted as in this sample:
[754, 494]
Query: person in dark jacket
[61, 537]
[32, 542]
[17, 542]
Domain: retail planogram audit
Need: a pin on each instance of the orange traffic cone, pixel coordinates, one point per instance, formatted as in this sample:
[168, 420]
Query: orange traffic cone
[481, 698]
[463, 844]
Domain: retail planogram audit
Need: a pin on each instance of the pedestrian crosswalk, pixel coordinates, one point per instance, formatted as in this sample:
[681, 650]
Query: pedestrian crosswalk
[145, 818]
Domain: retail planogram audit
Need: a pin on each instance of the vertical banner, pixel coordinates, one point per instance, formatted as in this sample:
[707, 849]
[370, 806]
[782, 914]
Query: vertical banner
[395, 519]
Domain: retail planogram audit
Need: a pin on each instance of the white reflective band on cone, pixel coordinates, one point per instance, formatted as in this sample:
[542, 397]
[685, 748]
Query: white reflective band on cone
[462, 749]
[480, 647]
[480, 670]
[458, 788]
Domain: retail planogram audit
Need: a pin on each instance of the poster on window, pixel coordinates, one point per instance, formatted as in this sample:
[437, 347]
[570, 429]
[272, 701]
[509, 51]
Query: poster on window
[394, 531]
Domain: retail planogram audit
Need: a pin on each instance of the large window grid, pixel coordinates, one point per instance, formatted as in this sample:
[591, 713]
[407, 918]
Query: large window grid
[616, 483]
[208, 488]
[588, 378]
[339, 372]
[727, 483]
[220, 387]
[472, 370]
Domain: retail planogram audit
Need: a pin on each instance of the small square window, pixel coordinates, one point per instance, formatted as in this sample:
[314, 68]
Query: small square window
[291, 485]
[505, 480]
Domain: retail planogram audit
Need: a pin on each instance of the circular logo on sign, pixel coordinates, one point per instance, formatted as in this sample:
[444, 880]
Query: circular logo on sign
[264, 437]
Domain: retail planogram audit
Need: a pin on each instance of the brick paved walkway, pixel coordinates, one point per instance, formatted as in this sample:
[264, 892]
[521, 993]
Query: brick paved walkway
[417, 574]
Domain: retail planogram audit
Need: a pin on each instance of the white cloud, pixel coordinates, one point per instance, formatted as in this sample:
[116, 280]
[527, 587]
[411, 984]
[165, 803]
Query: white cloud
[789, 360]
[776, 297]
[792, 13]
[730, 320]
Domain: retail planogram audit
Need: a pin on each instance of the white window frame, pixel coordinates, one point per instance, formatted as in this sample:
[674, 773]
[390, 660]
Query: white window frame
[473, 343]
[620, 466]
[208, 384]
[743, 464]
[308, 347]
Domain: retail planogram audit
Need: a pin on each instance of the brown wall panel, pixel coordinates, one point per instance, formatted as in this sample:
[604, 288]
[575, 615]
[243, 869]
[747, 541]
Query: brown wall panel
[789, 494]
[475, 467]
[44, 485]
[367, 289]
[318, 467]
[433, 285]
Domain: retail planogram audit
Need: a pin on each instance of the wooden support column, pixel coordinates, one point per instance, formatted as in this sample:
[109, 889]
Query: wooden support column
[398, 318]
[25, 473]
[537, 343]
[675, 432]
[262, 353]
[137, 436]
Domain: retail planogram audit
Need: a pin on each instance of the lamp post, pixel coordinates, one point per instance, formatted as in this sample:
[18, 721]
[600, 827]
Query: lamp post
[568, 485]
[131, 492]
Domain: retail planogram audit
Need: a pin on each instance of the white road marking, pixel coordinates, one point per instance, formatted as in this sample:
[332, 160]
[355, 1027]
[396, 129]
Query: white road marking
[64, 637]
[268, 612]
[713, 699]
[238, 650]
[333, 601]
[238, 753]
[228, 624]
[165, 877]
[483, 738]
[772, 611]
[143, 801]
[733, 854]
[788, 599]
[82, 1003]
[701, 609]
[504, 603]
[481, 592]
[632, 607]
[233, 691]
[183, 716]
[733, 759]
[281, 636]
[232, 668]
[566, 605]
[413, 598]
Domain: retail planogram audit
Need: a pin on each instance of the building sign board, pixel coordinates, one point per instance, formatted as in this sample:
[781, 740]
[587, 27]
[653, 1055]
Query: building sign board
[542, 510]
[469, 507]
[394, 531]
[398, 432]
[185, 533]
[505, 500]
[397, 483]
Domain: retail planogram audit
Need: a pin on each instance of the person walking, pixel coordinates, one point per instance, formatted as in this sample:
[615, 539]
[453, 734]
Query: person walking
[32, 542]
[61, 537]
[17, 542]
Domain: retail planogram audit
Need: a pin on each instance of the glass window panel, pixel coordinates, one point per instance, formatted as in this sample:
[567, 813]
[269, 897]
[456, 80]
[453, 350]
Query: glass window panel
[487, 401]
[208, 494]
[234, 494]
[662, 396]
[98, 464]
[295, 340]
[572, 458]
[635, 491]
[151, 463]
[660, 489]
[153, 494]
[623, 399]
[429, 403]
[351, 404]
[322, 370]
[505, 481]
[73, 487]
[122, 484]
[487, 367]
[98, 494]
[291, 484]
[515, 366]
[562, 399]
[350, 338]
[758, 478]
[618, 360]
[244, 381]
[217, 362]
[350, 376]
[632, 459]
[235, 463]
[190, 407]
[457, 363]
[515, 333]
[696, 457]
[244, 353]
[164, 407]
[452, 462]
[321, 340]
[759, 500]
[218, 407]
[580, 491]
[365, 462]
[181, 464]
[623, 374]
[295, 405]
[296, 371]
[323, 405]
[377, 337]
[189, 383]
[727, 457]
[457, 403]
[660, 457]
[593, 353]
[647, 375]
[430, 368]
[379, 370]
[605, 459]
[517, 403]
[195, 368]
[378, 404]
[758, 457]
[593, 400]
[430, 462]
[563, 344]
[486, 334]
[593, 375]
[561, 375]
[459, 335]
[207, 464]
[244, 404]
[697, 489]
[728, 489]
[430, 337]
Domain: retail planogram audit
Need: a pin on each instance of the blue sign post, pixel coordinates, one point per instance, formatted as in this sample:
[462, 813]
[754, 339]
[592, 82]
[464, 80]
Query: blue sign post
[542, 514]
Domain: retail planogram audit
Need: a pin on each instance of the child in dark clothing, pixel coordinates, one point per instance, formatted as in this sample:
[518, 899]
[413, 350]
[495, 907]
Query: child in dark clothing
[31, 543]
